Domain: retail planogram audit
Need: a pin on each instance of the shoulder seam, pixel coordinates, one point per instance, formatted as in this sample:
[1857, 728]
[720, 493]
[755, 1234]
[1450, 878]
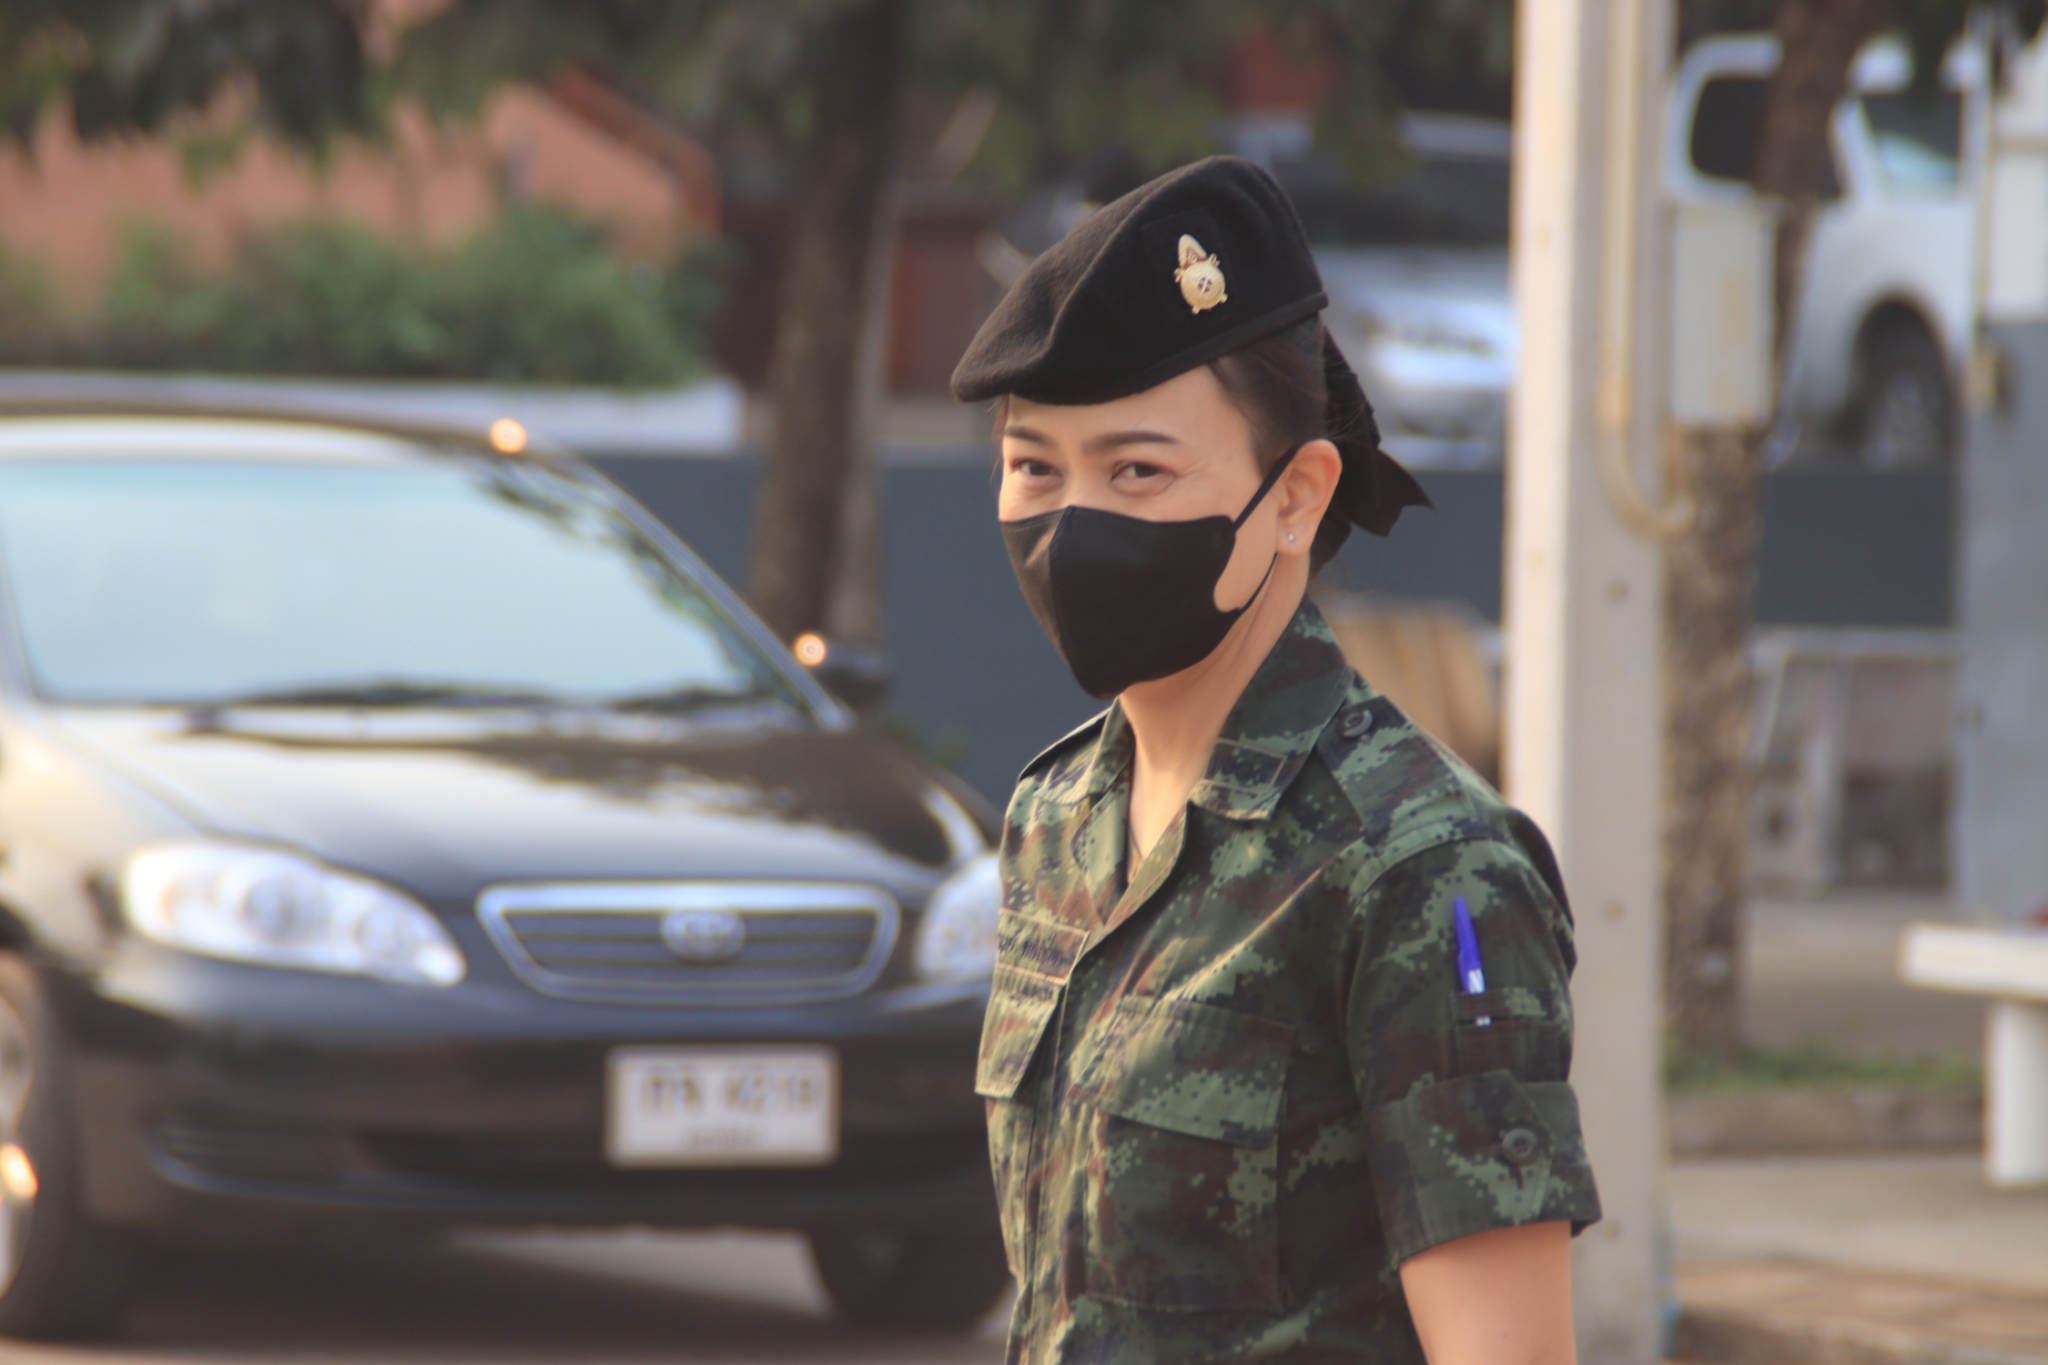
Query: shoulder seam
[1332, 752]
[1471, 828]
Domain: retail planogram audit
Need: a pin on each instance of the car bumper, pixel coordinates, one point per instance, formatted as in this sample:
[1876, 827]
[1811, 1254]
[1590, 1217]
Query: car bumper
[227, 1099]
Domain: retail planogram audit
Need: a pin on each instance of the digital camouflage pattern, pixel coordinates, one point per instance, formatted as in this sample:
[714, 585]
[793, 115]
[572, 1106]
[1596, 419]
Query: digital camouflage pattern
[1227, 1100]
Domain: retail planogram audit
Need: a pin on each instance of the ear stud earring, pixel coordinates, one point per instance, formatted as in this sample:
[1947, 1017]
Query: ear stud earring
[1290, 537]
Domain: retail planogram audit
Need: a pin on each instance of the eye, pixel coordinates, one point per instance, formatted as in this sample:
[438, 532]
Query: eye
[1138, 471]
[1026, 467]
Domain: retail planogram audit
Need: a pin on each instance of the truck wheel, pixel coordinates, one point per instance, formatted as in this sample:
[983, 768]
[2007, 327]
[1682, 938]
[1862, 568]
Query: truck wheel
[1905, 413]
[60, 1274]
[915, 1281]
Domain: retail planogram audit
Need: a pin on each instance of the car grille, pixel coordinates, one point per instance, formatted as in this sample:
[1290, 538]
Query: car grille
[693, 942]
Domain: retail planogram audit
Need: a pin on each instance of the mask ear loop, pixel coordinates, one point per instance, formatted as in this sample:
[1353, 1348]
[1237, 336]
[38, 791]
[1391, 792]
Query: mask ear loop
[1265, 487]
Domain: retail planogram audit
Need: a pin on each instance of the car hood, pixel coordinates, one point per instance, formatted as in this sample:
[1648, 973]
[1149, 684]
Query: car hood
[445, 804]
[1466, 287]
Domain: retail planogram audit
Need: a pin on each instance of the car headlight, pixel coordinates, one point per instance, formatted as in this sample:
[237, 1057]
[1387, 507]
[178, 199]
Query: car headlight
[956, 939]
[264, 905]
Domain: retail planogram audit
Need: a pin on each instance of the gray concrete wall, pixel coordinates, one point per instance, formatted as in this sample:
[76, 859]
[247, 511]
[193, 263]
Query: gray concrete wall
[2001, 836]
[972, 667]
[1839, 549]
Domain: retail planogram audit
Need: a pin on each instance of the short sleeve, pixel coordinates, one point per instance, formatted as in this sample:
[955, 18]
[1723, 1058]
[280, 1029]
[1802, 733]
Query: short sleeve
[1470, 1118]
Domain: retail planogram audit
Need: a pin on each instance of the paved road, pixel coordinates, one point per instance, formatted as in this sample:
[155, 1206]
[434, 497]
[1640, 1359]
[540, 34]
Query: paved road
[1905, 1214]
[577, 1299]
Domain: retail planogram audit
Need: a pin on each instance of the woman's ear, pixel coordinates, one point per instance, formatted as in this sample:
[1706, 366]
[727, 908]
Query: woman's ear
[1305, 491]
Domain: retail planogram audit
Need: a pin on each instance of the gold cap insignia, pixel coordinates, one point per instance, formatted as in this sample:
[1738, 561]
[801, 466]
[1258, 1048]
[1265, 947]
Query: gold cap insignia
[1200, 276]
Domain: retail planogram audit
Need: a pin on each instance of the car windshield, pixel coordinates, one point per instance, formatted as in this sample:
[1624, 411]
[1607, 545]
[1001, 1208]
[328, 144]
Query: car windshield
[1437, 200]
[401, 580]
[1918, 136]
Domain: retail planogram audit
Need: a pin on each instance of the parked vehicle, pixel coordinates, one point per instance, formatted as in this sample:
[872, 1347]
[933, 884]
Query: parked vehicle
[1417, 273]
[1417, 267]
[1885, 317]
[399, 832]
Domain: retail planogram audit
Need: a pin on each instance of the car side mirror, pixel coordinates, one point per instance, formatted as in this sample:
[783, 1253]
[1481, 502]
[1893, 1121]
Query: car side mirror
[858, 675]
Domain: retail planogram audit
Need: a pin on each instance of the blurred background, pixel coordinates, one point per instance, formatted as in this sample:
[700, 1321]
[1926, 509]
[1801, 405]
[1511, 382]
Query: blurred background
[729, 253]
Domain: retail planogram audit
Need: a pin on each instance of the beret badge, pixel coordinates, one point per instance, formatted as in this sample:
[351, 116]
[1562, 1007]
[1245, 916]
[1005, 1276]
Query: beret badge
[1200, 276]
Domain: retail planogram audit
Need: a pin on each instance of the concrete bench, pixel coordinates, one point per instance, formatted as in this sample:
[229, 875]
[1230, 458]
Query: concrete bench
[2009, 967]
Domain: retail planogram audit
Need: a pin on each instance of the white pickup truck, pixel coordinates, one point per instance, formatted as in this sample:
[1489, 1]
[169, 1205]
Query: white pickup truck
[1884, 319]
[1418, 279]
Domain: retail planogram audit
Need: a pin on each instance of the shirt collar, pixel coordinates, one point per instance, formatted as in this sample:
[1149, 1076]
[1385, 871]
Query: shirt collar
[1265, 740]
[1277, 720]
[1109, 759]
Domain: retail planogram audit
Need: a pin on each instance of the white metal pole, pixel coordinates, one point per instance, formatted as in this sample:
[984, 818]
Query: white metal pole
[1583, 590]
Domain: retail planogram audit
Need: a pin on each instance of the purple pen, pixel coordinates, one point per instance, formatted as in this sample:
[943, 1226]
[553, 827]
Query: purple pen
[1471, 972]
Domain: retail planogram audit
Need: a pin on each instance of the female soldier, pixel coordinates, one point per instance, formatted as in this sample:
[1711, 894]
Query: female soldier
[1277, 1050]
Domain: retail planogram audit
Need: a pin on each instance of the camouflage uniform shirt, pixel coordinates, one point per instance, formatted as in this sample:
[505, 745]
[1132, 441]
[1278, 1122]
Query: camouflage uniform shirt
[1229, 1097]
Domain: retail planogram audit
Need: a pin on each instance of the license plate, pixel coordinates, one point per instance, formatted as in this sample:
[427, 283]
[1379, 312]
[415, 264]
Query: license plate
[753, 1106]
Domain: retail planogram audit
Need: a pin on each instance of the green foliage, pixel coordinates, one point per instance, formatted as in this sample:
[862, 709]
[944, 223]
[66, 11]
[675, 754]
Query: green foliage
[537, 297]
[128, 66]
[1071, 77]
[1069, 74]
[1075, 76]
[1809, 1065]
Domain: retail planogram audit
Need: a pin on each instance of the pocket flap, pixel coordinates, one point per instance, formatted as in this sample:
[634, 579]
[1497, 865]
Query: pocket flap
[1040, 947]
[1509, 1002]
[1188, 1068]
[1034, 957]
[1019, 1004]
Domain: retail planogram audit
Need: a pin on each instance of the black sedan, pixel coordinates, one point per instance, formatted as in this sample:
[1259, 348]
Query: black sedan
[400, 833]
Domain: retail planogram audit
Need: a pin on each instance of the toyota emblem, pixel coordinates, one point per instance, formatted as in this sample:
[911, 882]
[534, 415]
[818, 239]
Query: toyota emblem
[704, 935]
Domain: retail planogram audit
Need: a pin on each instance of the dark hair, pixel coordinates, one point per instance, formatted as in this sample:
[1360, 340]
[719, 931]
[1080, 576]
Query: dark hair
[1278, 383]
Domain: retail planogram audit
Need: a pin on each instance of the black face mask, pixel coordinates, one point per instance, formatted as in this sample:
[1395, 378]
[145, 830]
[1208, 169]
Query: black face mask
[1127, 600]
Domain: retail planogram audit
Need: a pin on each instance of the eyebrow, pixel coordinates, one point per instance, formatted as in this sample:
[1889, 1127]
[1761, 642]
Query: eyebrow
[1115, 440]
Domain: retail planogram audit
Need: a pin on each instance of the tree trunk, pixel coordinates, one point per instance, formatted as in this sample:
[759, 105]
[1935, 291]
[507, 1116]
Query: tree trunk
[1708, 695]
[830, 288]
[1818, 40]
[1710, 566]
[855, 610]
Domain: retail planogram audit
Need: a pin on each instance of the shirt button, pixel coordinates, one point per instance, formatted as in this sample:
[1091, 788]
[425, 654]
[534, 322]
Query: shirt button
[1519, 1144]
[1354, 723]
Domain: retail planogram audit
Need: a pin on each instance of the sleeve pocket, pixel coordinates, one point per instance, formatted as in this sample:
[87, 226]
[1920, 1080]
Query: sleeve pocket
[1478, 1153]
[1522, 1034]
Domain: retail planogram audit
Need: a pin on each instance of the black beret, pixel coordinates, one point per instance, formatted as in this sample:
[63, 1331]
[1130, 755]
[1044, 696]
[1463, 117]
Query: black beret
[1189, 267]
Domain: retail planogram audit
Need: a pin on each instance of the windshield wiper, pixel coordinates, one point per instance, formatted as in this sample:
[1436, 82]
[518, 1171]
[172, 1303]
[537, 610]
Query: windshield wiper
[392, 694]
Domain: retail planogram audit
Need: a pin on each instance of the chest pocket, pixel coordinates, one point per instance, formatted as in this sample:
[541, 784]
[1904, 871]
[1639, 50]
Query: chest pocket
[1033, 960]
[1180, 1205]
